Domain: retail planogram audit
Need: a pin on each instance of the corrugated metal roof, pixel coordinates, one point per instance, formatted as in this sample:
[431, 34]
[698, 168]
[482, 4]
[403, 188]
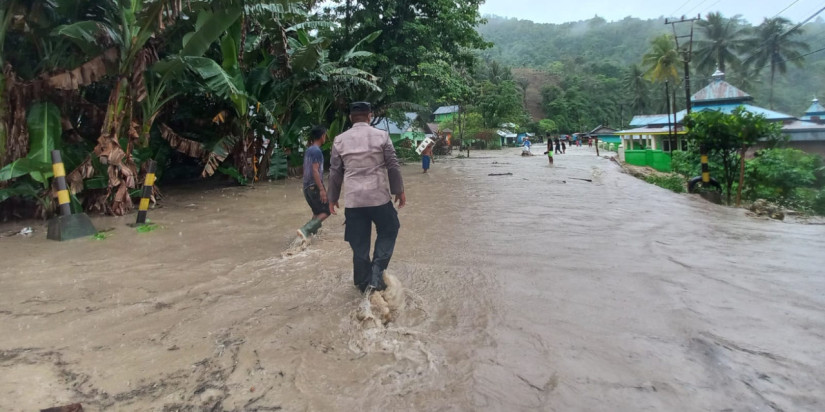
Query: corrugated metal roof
[648, 130]
[446, 110]
[730, 107]
[646, 119]
[799, 126]
[602, 130]
[719, 90]
[395, 128]
[816, 109]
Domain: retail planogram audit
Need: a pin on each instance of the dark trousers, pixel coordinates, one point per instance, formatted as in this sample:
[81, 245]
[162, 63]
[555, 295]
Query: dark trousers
[366, 271]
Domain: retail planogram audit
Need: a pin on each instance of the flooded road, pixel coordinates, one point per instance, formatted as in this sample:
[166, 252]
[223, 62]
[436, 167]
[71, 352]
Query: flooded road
[533, 290]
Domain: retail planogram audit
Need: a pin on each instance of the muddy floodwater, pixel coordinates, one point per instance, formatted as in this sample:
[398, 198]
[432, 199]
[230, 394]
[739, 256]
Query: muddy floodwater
[527, 287]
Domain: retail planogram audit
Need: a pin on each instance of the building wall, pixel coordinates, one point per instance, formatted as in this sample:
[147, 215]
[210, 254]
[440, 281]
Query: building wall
[652, 158]
[444, 117]
[810, 147]
[814, 147]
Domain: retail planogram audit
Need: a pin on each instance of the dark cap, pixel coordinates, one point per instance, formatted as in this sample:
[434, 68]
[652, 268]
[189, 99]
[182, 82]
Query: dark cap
[360, 107]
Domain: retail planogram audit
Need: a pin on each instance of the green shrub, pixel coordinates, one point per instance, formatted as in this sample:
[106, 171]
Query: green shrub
[671, 182]
[776, 174]
[407, 154]
[686, 163]
[818, 205]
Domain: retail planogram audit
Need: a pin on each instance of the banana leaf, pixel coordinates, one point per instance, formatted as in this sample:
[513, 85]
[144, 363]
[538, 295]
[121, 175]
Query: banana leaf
[219, 81]
[44, 136]
[85, 34]
[22, 167]
[208, 28]
[21, 191]
[218, 152]
[233, 173]
[278, 167]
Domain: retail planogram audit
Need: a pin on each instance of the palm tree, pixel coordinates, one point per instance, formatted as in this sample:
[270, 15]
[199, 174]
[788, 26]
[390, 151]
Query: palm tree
[774, 45]
[663, 60]
[638, 89]
[721, 40]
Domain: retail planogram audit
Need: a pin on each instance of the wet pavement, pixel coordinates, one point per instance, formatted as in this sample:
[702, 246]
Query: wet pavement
[528, 287]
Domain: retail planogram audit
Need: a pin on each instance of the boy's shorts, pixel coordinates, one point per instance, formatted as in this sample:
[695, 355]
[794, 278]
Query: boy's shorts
[313, 197]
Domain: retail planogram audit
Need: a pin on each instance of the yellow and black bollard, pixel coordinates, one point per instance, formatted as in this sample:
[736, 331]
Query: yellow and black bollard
[705, 178]
[705, 169]
[66, 225]
[148, 188]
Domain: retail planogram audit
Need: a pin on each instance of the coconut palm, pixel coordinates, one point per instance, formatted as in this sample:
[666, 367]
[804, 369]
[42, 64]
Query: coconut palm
[663, 60]
[774, 45]
[720, 42]
[637, 88]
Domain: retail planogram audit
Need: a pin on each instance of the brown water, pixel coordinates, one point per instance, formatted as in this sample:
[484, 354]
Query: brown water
[530, 291]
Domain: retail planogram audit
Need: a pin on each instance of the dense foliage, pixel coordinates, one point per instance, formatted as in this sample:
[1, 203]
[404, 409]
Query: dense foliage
[598, 55]
[728, 137]
[206, 87]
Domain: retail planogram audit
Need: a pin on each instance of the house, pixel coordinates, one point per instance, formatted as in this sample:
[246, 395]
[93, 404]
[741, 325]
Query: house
[508, 135]
[408, 129]
[445, 113]
[604, 134]
[659, 132]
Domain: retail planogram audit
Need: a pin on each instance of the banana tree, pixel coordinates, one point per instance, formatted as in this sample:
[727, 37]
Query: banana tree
[127, 26]
[44, 136]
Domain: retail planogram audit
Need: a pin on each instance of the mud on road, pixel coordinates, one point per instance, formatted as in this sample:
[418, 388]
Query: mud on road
[536, 289]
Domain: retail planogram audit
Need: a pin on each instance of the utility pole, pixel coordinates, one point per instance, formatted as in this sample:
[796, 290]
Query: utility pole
[686, 51]
[667, 103]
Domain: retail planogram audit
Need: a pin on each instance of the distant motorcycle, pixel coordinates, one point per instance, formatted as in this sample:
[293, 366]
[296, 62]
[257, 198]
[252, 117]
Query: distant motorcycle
[525, 151]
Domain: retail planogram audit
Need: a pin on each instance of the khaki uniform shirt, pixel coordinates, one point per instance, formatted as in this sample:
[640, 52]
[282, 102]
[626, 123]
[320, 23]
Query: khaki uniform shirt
[363, 160]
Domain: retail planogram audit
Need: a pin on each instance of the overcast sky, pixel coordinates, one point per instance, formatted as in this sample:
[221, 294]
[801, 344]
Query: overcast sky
[560, 11]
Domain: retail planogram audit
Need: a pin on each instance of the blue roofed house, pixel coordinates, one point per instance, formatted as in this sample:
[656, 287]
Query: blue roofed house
[659, 132]
[808, 133]
[605, 134]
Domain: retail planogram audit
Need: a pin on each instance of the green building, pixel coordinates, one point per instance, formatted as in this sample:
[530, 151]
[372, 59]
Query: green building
[445, 113]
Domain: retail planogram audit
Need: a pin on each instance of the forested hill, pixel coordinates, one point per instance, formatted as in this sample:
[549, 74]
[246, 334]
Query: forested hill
[592, 59]
[523, 43]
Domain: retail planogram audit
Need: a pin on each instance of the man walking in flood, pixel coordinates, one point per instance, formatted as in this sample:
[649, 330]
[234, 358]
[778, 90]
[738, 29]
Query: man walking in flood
[314, 191]
[363, 160]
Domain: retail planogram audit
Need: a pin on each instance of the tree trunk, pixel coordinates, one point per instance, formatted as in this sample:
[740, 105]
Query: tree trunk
[741, 175]
[121, 169]
[4, 107]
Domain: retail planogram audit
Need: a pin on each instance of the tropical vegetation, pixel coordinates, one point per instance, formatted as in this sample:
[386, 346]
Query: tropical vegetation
[224, 87]
[614, 70]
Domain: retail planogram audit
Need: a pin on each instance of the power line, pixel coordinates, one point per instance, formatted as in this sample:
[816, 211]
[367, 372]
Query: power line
[709, 7]
[765, 43]
[696, 6]
[795, 58]
[682, 6]
[786, 8]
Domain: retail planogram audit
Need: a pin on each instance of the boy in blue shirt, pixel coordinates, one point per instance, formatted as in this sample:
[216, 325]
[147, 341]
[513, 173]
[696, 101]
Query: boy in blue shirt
[314, 190]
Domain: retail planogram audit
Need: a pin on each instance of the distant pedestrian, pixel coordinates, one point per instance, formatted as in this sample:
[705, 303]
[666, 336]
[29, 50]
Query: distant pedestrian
[426, 157]
[558, 146]
[314, 191]
[589, 142]
[563, 148]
